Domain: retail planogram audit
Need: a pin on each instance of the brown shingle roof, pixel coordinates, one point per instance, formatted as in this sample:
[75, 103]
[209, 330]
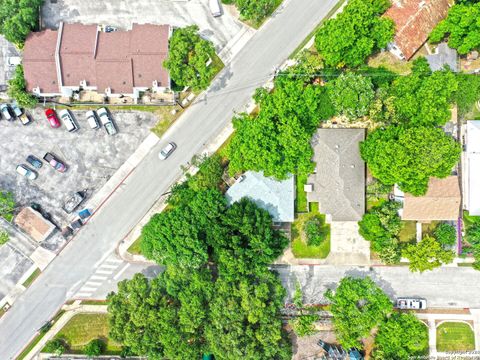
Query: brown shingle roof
[119, 60]
[414, 20]
[32, 223]
[39, 61]
[441, 202]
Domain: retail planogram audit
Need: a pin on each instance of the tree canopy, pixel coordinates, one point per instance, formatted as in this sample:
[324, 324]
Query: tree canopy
[357, 306]
[17, 89]
[352, 95]
[410, 156]
[18, 18]
[7, 205]
[423, 97]
[427, 255]
[188, 56]
[461, 26]
[255, 10]
[401, 337]
[355, 33]
[277, 140]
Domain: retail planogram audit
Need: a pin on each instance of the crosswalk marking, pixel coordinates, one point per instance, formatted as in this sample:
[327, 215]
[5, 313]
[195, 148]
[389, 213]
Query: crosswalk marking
[97, 277]
[114, 260]
[93, 283]
[83, 295]
[108, 266]
[87, 288]
[105, 272]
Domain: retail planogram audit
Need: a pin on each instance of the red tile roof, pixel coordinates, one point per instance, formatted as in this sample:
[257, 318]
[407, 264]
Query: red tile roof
[39, 61]
[118, 60]
[414, 20]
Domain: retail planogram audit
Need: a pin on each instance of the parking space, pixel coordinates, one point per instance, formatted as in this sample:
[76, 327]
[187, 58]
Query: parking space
[9, 54]
[122, 13]
[91, 157]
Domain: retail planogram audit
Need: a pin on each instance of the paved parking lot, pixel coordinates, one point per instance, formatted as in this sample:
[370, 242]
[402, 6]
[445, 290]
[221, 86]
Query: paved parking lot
[13, 265]
[6, 71]
[122, 13]
[92, 156]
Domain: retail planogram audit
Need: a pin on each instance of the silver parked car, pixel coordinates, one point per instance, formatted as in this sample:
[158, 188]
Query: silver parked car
[92, 119]
[68, 120]
[26, 171]
[167, 151]
[5, 110]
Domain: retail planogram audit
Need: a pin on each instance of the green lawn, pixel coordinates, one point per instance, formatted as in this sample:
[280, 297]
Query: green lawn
[455, 336]
[300, 248]
[135, 247]
[428, 229]
[408, 232]
[83, 328]
[32, 278]
[469, 220]
[301, 198]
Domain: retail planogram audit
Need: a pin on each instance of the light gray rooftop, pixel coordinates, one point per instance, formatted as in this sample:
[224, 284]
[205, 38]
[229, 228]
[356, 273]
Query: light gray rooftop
[339, 178]
[277, 197]
[443, 56]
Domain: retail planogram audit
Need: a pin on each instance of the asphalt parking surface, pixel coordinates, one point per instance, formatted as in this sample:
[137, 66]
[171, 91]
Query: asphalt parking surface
[122, 13]
[92, 157]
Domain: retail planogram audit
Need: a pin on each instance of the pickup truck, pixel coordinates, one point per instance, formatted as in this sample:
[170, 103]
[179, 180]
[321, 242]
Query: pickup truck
[73, 202]
[411, 304]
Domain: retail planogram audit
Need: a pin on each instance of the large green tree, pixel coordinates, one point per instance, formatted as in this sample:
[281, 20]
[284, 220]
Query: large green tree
[401, 337]
[256, 10]
[277, 140]
[461, 26]
[18, 18]
[352, 95]
[427, 255]
[355, 33]
[357, 306]
[410, 156]
[423, 97]
[7, 205]
[17, 89]
[188, 56]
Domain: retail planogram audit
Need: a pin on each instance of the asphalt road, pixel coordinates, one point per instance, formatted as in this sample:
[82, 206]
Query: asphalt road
[268, 48]
[445, 287]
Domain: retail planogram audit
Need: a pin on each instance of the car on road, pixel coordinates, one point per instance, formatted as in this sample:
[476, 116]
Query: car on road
[55, 162]
[106, 121]
[16, 110]
[92, 119]
[24, 170]
[167, 151]
[52, 118]
[68, 120]
[5, 110]
[34, 161]
[411, 304]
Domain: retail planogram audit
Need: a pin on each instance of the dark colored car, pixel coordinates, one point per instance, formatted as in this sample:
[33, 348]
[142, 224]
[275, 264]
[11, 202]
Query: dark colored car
[55, 162]
[34, 161]
[52, 118]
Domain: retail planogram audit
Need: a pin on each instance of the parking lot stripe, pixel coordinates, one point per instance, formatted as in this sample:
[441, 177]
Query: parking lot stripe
[97, 277]
[105, 272]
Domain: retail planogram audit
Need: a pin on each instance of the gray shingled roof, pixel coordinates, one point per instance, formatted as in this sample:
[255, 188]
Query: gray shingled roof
[339, 181]
[443, 56]
[277, 197]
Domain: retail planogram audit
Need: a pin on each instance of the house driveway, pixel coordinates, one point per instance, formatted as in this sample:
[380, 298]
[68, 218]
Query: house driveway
[122, 13]
[347, 247]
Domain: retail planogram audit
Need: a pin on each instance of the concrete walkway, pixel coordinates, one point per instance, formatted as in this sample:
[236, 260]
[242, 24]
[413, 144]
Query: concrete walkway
[70, 311]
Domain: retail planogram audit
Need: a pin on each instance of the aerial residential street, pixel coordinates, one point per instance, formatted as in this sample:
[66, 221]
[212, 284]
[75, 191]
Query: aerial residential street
[200, 123]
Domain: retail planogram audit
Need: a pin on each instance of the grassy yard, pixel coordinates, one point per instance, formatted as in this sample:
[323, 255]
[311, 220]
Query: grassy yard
[83, 328]
[135, 247]
[390, 62]
[408, 232]
[428, 229]
[32, 278]
[455, 336]
[300, 248]
[301, 198]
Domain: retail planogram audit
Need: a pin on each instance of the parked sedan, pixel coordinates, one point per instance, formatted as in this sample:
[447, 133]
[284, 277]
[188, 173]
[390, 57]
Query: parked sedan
[92, 119]
[34, 161]
[24, 170]
[5, 110]
[106, 121]
[167, 150]
[16, 110]
[55, 162]
[52, 118]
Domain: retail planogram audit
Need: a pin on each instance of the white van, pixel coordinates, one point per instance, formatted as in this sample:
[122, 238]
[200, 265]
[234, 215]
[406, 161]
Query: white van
[67, 119]
[215, 8]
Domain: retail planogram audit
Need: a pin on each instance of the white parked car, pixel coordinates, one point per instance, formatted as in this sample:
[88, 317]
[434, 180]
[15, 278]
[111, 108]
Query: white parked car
[106, 121]
[16, 110]
[68, 120]
[25, 171]
[92, 119]
[411, 304]
[5, 110]
[167, 151]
